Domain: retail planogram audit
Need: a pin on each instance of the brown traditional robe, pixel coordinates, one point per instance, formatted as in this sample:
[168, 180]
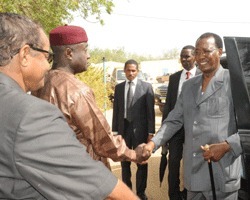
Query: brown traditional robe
[77, 102]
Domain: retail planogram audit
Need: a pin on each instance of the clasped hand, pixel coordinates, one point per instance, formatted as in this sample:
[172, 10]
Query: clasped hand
[143, 152]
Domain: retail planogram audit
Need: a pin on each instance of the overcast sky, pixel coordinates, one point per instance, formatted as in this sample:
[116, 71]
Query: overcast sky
[156, 26]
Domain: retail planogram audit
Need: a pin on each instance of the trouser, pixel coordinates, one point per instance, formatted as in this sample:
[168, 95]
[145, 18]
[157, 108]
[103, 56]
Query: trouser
[142, 170]
[209, 195]
[141, 176]
[175, 156]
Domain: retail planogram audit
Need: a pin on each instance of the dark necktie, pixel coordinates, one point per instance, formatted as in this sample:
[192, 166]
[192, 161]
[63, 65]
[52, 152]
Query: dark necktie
[129, 102]
[188, 75]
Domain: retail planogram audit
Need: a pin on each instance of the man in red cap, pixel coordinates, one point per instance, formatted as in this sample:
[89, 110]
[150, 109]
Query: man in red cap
[76, 99]
[40, 157]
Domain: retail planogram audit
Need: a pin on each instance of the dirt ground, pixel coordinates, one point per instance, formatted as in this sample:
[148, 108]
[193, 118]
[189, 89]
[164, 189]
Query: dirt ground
[154, 191]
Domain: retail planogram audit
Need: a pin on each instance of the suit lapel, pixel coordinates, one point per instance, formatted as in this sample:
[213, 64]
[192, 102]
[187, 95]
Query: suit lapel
[137, 92]
[214, 85]
[122, 93]
[176, 85]
[196, 89]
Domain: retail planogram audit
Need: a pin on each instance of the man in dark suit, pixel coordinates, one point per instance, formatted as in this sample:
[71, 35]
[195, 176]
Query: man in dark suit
[175, 145]
[135, 120]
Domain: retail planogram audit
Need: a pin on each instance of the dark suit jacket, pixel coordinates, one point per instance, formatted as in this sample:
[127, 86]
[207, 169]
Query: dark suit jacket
[172, 93]
[143, 113]
[40, 157]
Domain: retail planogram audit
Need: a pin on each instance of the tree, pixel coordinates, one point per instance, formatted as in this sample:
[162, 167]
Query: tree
[171, 54]
[52, 13]
[93, 77]
[116, 55]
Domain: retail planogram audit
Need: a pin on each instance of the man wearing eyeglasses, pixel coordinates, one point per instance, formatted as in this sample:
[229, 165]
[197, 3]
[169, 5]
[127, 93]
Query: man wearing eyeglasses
[175, 144]
[205, 108]
[40, 157]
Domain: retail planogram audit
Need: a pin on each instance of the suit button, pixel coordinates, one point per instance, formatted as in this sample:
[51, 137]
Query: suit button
[195, 122]
[194, 154]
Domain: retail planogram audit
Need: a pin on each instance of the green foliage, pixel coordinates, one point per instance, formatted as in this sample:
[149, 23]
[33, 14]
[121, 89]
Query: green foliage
[52, 13]
[119, 55]
[94, 78]
[172, 54]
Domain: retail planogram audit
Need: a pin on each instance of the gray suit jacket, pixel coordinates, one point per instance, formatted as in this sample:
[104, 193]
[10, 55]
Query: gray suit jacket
[40, 157]
[142, 110]
[207, 119]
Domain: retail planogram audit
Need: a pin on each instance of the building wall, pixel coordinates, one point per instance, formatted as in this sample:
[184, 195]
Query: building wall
[160, 67]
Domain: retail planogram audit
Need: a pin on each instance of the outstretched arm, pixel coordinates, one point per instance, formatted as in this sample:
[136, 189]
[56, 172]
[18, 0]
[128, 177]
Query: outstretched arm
[96, 131]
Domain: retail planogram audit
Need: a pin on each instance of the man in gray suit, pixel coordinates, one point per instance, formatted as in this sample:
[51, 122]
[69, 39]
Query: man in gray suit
[205, 108]
[175, 144]
[40, 157]
[134, 119]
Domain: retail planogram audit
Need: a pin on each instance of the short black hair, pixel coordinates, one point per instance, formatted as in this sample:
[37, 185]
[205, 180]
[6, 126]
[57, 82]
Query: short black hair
[189, 47]
[131, 61]
[217, 38]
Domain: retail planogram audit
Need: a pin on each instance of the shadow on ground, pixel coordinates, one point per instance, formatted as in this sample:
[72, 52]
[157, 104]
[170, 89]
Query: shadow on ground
[154, 191]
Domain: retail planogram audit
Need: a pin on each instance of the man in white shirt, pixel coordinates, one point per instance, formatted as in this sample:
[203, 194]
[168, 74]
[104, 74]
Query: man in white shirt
[134, 119]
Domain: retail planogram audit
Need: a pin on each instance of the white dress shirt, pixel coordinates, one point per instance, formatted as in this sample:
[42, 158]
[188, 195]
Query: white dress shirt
[133, 82]
[183, 77]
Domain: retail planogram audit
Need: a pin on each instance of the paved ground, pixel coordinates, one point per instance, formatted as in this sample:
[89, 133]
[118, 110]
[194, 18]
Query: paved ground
[154, 191]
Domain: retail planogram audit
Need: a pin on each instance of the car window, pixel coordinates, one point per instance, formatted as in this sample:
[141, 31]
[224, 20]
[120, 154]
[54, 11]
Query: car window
[140, 76]
[121, 75]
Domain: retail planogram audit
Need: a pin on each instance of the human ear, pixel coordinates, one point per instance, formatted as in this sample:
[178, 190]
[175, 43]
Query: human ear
[68, 53]
[220, 51]
[24, 55]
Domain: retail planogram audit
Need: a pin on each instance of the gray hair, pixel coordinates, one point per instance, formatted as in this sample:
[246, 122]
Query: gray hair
[16, 31]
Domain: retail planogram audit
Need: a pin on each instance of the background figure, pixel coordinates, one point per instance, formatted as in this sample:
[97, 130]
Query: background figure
[76, 100]
[205, 108]
[135, 121]
[175, 144]
[40, 157]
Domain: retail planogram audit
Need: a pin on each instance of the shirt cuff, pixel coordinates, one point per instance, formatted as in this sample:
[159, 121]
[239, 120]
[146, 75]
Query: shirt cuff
[115, 133]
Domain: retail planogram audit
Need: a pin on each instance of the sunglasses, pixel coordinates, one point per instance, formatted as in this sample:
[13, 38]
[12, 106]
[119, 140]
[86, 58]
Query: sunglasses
[49, 55]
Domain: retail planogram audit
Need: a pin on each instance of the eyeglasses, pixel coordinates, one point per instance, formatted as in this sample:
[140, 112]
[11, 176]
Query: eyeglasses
[49, 56]
[205, 52]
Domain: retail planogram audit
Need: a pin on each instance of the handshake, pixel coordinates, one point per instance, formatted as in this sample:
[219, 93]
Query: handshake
[143, 152]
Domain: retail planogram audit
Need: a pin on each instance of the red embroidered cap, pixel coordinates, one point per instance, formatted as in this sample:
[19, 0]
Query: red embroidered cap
[66, 35]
